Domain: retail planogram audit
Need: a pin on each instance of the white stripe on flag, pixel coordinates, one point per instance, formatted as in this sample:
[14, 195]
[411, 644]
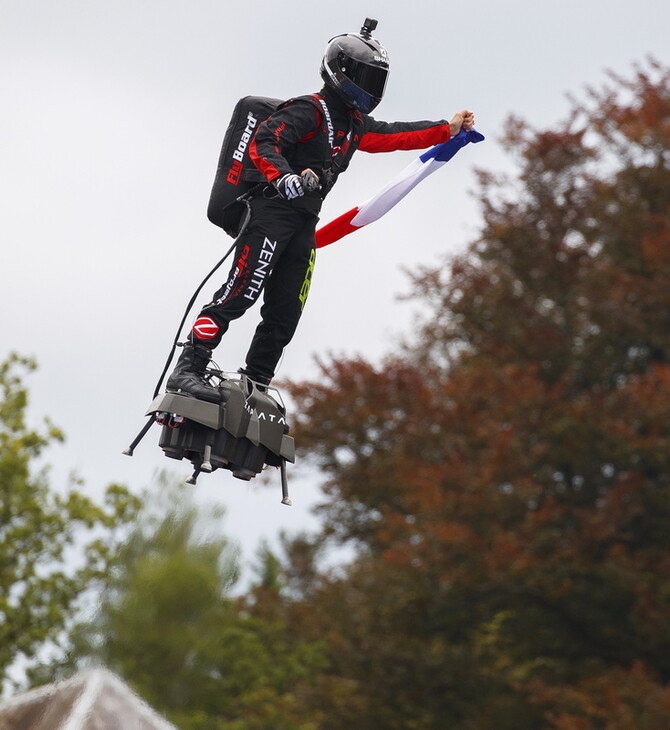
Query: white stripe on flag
[394, 191]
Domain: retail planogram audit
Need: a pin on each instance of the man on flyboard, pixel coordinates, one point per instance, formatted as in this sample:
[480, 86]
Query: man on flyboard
[300, 150]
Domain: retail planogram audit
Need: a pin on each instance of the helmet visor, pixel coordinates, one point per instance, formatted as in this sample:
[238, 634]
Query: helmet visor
[371, 79]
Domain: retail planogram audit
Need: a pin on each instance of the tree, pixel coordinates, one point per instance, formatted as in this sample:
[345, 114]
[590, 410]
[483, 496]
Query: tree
[505, 481]
[39, 581]
[508, 480]
[170, 626]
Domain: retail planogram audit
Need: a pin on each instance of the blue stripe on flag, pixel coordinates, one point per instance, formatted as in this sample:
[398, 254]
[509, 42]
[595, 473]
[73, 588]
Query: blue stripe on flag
[445, 151]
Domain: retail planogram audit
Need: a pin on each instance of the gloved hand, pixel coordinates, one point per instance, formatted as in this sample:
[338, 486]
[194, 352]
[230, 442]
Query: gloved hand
[289, 186]
[310, 180]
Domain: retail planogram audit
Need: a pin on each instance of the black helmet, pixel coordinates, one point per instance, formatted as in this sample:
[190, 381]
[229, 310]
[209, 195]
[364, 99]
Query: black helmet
[355, 66]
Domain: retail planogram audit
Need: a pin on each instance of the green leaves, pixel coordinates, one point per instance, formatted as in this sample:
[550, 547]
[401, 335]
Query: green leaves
[170, 625]
[40, 583]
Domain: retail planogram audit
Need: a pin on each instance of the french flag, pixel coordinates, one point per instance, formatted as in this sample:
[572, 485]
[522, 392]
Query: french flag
[374, 208]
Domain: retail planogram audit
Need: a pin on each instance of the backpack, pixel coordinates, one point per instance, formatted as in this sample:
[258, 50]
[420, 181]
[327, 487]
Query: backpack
[235, 173]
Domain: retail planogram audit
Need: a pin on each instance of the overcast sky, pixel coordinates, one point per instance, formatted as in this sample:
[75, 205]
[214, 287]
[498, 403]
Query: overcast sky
[112, 120]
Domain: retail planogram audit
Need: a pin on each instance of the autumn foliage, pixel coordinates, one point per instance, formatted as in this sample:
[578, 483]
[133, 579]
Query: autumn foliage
[502, 483]
[507, 480]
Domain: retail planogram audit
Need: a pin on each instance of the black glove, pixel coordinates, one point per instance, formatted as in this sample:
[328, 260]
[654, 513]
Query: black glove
[289, 186]
[310, 180]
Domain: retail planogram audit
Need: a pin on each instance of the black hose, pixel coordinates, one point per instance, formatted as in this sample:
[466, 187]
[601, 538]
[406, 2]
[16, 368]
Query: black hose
[243, 199]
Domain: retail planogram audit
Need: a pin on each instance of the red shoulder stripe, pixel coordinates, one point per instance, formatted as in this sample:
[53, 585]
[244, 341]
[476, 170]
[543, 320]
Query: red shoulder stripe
[319, 118]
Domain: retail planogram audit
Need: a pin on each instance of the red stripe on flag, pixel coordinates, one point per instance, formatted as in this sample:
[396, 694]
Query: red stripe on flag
[336, 229]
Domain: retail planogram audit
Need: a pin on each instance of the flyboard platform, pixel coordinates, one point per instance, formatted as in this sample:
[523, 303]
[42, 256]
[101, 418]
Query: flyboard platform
[244, 433]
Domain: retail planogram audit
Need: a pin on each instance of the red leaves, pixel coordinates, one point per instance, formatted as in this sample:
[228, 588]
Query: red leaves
[512, 472]
[618, 699]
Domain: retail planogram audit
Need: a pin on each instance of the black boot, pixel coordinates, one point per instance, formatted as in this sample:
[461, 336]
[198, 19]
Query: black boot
[259, 381]
[189, 375]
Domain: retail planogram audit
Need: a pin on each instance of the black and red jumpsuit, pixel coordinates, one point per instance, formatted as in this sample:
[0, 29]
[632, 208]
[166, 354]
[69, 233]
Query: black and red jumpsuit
[276, 252]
